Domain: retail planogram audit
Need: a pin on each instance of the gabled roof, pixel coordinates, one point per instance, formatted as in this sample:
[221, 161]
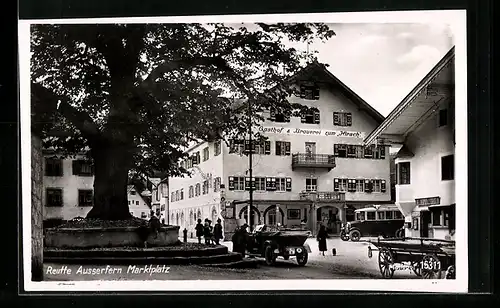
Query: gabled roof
[400, 109]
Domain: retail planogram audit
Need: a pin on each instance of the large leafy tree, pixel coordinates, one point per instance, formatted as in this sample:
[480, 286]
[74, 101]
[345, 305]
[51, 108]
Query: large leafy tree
[135, 95]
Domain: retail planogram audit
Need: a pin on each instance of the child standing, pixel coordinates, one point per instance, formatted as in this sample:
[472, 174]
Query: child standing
[199, 231]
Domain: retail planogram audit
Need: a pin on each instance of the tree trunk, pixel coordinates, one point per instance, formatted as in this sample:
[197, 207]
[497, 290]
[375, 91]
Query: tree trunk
[111, 164]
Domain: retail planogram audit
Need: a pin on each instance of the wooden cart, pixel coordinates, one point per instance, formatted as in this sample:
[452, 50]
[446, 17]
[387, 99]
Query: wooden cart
[428, 258]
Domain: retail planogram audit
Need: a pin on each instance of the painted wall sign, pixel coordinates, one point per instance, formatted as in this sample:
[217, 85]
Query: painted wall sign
[428, 201]
[309, 132]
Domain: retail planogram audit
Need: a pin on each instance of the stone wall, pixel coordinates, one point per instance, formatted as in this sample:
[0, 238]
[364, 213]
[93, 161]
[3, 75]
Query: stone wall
[36, 210]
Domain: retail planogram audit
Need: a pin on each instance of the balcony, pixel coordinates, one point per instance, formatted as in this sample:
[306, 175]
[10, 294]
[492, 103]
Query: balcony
[322, 196]
[302, 160]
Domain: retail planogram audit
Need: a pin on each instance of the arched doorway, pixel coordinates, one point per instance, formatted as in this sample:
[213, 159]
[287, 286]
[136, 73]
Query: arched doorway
[272, 217]
[254, 215]
[329, 216]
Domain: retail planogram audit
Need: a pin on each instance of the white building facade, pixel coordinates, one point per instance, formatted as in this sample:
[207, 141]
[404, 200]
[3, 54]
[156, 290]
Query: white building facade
[68, 186]
[312, 169]
[424, 125]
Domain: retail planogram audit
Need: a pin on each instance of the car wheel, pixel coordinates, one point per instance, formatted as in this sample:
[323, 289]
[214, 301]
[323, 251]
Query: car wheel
[302, 258]
[269, 255]
[355, 235]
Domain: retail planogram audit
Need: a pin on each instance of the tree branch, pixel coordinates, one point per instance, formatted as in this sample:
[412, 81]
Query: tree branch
[82, 121]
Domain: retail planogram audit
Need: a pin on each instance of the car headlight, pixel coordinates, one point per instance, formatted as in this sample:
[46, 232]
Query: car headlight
[348, 225]
[299, 250]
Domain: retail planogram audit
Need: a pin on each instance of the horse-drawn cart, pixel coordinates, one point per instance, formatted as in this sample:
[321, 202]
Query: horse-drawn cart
[427, 258]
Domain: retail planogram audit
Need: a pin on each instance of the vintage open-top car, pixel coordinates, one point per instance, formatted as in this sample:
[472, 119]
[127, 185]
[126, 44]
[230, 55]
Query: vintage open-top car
[271, 242]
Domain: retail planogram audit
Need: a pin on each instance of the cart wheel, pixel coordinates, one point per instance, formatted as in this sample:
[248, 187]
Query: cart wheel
[355, 235]
[385, 261]
[269, 255]
[417, 268]
[431, 267]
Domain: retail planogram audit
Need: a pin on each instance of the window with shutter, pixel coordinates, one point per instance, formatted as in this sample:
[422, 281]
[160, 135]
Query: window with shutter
[316, 92]
[76, 167]
[288, 184]
[336, 118]
[368, 186]
[231, 183]
[278, 148]
[267, 149]
[272, 116]
[348, 119]
[303, 117]
[336, 185]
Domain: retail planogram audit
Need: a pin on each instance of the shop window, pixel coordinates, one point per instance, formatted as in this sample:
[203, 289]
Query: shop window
[293, 214]
[436, 217]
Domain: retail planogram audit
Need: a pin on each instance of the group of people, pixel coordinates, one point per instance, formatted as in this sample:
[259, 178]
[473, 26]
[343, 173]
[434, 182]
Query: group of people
[211, 234]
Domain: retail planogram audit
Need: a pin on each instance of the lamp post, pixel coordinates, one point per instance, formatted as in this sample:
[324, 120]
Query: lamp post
[250, 156]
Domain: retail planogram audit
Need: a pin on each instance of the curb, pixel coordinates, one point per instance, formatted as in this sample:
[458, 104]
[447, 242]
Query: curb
[133, 253]
[245, 263]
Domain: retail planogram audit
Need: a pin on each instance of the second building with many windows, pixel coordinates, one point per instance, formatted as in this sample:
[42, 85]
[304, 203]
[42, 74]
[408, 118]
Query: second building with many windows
[312, 169]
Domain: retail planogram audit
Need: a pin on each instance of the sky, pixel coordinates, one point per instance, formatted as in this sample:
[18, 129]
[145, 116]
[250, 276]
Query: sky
[381, 62]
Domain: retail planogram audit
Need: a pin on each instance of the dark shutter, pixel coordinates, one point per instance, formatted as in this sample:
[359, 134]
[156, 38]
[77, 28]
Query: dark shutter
[247, 183]
[231, 183]
[272, 114]
[288, 184]
[316, 116]
[382, 186]
[76, 167]
[287, 148]
[336, 186]
[267, 147]
[336, 119]
[316, 92]
[253, 183]
[286, 117]
[273, 183]
[303, 116]
[336, 149]
[382, 152]
[348, 119]
[368, 186]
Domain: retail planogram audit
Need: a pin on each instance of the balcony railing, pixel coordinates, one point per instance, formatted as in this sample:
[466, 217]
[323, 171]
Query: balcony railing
[303, 160]
[322, 196]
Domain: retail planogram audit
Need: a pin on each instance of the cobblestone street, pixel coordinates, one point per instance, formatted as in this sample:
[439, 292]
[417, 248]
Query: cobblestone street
[350, 262]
